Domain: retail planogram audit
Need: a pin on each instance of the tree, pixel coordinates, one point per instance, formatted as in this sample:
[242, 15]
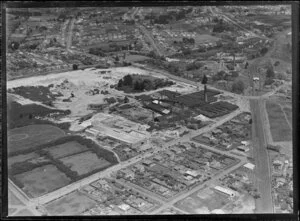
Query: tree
[120, 83]
[14, 45]
[282, 76]
[270, 73]
[235, 74]
[126, 99]
[204, 80]
[238, 87]
[75, 67]
[136, 86]
[127, 80]
[263, 51]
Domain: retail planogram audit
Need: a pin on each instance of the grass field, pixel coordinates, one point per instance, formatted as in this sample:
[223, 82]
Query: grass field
[42, 180]
[85, 162]
[199, 39]
[134, 58]
[13, 200]
[280, 129]
[20, 158]
[24, 212]
[72, 204]
[66, 149]
[31, 136]
[203, 202]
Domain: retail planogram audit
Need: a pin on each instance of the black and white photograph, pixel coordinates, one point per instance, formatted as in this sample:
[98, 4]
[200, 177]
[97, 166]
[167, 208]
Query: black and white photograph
[149, 110]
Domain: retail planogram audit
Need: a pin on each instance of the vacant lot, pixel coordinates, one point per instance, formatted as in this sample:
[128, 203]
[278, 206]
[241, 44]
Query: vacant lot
[85, 162]
[42, 180]
[66, 149]
[72, 204]
[203, 202]
[27, 137]
[20, 158]
[280, 129]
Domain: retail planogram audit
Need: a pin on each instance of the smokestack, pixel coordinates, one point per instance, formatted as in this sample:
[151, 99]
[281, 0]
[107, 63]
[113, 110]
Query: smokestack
[205, 93]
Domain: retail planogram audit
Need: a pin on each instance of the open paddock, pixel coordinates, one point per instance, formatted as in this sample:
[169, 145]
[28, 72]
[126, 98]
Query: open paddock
[72, 204]
[31, 136]
[85, 162]
[280, 129]
[42, 180]
[66, 149]
[21, 158]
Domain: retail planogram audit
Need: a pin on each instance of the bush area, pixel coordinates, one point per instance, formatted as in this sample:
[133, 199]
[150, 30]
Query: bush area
[139, 83]
[38, 93]
[23, 115]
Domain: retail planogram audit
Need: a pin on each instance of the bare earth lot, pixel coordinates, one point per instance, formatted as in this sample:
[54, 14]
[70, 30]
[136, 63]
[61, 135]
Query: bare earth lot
[42, 180]
[207, 201]
[31, 136]
[85, 162]
[203, 203]
[279, 126]
[66, 149]
[72, 204]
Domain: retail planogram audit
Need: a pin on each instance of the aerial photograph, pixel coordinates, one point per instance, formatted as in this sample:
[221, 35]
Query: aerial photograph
[149, 110]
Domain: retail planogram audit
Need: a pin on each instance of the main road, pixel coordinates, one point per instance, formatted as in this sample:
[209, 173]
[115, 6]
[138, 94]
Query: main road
[260, 154]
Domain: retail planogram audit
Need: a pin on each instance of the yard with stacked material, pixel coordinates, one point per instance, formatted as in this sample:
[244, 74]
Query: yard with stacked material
[280, 129]
[42, 180]
[72, 204]
[28, 137]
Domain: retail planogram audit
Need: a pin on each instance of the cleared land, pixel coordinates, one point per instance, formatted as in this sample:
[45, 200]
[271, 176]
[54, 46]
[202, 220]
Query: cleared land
[72, 204]
[203, 202]
[85, 162]
[27, 137]
[42, 180]
[66, 149]
[280, 129]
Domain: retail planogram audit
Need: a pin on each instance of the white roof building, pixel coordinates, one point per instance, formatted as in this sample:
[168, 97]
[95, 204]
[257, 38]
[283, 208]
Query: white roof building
[227, 191]
[124, 207]
[249, 166]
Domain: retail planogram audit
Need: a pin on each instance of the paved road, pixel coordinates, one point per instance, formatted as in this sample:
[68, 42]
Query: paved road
[262, 170]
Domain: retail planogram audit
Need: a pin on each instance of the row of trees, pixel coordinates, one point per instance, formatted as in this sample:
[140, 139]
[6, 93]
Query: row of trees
[143, 84]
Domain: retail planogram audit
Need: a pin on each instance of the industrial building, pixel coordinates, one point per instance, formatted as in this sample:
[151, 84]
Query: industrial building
[225, 191]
